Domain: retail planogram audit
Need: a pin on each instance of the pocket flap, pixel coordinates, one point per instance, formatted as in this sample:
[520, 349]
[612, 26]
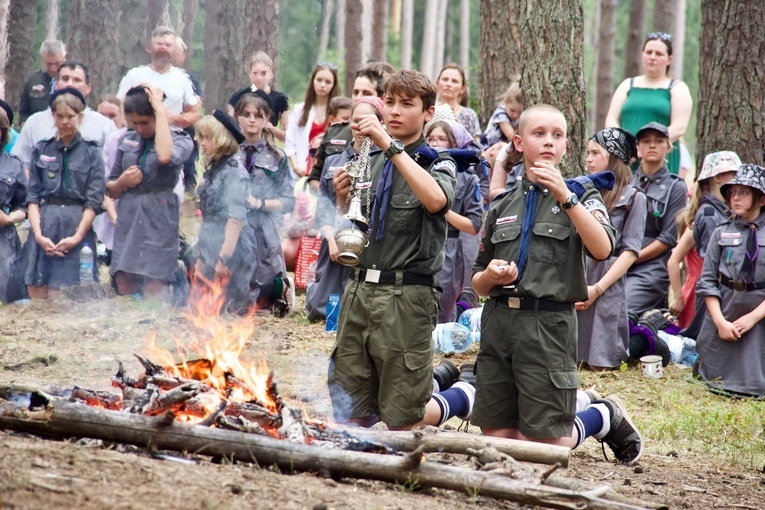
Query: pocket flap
[505, 233]
[733, 241]
[559, 231]
[564, 379]
[404, 201]
[47, 165]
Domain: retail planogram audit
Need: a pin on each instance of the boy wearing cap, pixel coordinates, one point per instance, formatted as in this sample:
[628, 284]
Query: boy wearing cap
[648, 279]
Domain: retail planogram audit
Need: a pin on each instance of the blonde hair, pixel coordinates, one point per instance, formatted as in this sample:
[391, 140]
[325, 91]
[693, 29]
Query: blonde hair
[261, 57]
[222, 140]
[5, 129]
[513, 93]
[69, 100]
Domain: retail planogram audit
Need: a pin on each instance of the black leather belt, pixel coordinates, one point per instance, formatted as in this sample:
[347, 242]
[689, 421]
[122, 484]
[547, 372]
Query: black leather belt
[62, 201]
[739, 285]
[538, 305]
[389, 277]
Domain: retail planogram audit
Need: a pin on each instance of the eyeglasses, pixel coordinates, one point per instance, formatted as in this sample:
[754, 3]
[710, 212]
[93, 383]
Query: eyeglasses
[662, 36]
[437, 139]
[741, 193]
[321, 63]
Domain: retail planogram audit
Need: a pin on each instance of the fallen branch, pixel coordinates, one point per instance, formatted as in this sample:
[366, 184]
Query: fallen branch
[66, 419]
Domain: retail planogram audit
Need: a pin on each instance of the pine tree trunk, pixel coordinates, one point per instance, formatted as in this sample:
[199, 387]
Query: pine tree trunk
[678, 40]
[261, 30]
[154, 11]
[440, 46]
[395, 17]
[605, 61]
[430, 23]
[711, 12]
[353, 13]
[5, 6]
[662, 16]
[223, 50]
[464, 34]
[553, 68]
[88, 29]
[500, 51]
[132, 33]
[407, 33]
[634, 46]
[380, 30]
[325, 23]
[340, 27]
[51, 20]
[732, 118]
[22, 55]
[366, 29]
[188, 21]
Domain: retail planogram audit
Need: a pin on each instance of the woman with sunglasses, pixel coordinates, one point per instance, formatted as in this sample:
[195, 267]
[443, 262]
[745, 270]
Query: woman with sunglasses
[309, 118]
[654, 97]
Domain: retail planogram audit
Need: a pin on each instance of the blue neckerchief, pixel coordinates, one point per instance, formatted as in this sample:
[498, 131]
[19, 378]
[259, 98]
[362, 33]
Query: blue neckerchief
[600, 181]
[529, 211]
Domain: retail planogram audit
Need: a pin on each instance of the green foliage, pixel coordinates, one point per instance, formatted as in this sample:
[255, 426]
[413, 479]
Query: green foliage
[299, 29]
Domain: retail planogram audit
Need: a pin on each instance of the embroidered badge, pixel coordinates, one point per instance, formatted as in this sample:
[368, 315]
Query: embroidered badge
[596, 206]
[662, 187]
[38, 88]
[47, 159]
[507, 219]
[601, 217]
[555, 209]
[333, 170]
[730, 235]
[51, 175]
[131, 143]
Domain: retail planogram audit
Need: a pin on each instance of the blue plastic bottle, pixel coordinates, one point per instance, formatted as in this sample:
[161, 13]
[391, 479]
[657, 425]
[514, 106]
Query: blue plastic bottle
[333, 312]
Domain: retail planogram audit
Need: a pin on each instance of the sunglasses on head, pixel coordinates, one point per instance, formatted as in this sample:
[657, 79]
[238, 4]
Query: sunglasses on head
[326, 64]
[662, 36]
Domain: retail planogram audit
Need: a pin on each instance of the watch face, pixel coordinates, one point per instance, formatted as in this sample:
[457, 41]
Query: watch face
[574, 200]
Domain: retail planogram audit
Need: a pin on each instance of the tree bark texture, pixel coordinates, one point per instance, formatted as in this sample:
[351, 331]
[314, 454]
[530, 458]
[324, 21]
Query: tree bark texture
[154, 11]
[5, 6]
[223, 50]
[407, 33]
[380, 30]
[553, 70]
[465, 34]
[678, 40]
[326, 20]
[634, 46]
[22, 55]
[500, 51]
[711, 13]
[430, 25]
[662, 16]
[605, 61]
[353, 35]
[261, 32]
[133, 37]
[440, 46]
[340, 27]
[88, 30]
[732, 117]
[51, 19]
[188, 21]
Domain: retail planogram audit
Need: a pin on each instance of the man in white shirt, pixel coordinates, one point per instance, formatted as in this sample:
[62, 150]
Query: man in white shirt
[41, 125]
[183, 105]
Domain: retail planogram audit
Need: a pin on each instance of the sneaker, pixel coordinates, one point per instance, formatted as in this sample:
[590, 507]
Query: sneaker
[446, 374]
[593, 394]
[624, 439]
[285, 305]
[467, 373]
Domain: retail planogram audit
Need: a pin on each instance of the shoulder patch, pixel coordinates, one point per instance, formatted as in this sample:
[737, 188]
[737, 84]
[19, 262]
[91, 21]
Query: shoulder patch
[598, 210]
[709, 211]
[446, 164]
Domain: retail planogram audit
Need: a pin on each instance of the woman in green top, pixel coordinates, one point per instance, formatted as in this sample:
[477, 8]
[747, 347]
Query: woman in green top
[654, 97]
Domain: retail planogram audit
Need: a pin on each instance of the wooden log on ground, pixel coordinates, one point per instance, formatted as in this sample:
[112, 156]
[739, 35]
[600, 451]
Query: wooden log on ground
[65, 419]
[437, 440]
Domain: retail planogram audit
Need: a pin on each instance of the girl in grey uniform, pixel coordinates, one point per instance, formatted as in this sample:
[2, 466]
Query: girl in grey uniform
[730, 346]
[270, 196]
[13, 197]
[465, 215]
[147, 167]
[647, 279]
[602, 319]
[226, 246]
[66, 189]
[331, 276]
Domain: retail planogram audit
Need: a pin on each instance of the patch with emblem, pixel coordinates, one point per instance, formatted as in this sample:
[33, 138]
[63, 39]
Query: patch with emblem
[47, 159]
[730, 235]
[445, 165]
[38, 88]
[333, 170]
[601, 217]
[364, 185]
[598, 210]
[507, 219]
[51, 175]
[662, 187]
[555, 209]
[131, 143]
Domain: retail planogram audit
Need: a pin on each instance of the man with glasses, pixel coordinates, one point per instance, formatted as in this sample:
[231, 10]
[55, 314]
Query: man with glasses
[37, 89]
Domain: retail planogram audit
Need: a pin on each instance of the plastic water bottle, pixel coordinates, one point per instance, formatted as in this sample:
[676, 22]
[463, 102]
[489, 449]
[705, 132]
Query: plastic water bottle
[453, 337]
[333, 312]
[471, 319]
[86, 264]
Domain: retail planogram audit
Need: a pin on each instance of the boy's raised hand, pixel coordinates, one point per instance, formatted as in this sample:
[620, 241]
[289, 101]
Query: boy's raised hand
[369, 125]
[549, 176]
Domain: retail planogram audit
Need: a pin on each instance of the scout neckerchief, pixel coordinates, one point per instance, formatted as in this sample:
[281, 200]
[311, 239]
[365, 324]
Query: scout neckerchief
[65, 177]
[752, 250]
[249, 163]
[529, 211]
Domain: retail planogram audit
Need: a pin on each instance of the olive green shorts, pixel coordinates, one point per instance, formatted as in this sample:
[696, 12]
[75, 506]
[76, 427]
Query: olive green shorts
[382, 364]
[526, 374]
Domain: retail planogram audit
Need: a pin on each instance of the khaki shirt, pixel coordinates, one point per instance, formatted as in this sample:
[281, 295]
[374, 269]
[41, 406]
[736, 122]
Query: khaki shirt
[555, 268]
[413, 239]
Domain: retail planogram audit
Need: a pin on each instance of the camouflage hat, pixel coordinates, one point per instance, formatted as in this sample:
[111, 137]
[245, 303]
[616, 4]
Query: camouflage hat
[717, 163]
[749, 175]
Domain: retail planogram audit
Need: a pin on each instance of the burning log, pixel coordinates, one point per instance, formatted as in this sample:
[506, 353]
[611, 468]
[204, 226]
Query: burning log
[293, 427]
[66, 419]
[168, 383]
[255, 413]
[155, 401]
[97, 398]
[241, 424]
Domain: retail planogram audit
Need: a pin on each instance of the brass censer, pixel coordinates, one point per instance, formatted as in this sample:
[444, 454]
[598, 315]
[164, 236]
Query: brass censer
[351, 238]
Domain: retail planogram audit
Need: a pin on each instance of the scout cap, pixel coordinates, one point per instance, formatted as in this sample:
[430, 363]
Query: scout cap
[230, 124]
[653, 126]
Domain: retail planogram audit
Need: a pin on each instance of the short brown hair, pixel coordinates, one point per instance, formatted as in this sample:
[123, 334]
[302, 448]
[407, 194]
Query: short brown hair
[445, 127]
[409, 83]
[338, 103]
[223, 141]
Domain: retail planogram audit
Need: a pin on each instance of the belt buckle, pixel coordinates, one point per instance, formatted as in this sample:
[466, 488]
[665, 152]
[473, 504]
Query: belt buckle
[739, 285]
[372, 276]
[514, 302]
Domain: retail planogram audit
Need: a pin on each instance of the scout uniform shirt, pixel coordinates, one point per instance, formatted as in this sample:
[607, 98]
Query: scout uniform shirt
[413, 238]
[555, 267]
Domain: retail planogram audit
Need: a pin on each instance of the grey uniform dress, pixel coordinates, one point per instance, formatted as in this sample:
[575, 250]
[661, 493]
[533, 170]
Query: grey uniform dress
[331, 277]
[63, 181]
[269, 180]
[146, 236]
[13, 196]
[648, 282]
[223, 195]
[451, 278]
[737, 366]
[603, 327]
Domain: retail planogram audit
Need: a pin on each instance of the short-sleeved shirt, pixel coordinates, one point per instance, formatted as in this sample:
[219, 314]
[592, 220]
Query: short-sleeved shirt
[175, 83]
[134, 150]
[413, 239]
[279, 105]
[555, 268]
[493, 133]
[469, 119]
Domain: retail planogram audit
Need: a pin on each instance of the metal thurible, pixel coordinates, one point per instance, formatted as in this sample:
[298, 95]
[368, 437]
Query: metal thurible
[351, 237]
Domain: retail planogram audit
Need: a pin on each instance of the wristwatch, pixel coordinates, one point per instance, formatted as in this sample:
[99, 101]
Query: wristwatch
[396, 147]
[571, 202]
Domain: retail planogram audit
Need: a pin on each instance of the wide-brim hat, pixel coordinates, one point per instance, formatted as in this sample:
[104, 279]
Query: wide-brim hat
[230, 124]
[749, 175]
[255, 91]
[716, 163]
[653, 126]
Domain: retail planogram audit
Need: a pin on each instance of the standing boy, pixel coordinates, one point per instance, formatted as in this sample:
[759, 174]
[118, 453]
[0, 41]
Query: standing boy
[531, 264]
[381, 367]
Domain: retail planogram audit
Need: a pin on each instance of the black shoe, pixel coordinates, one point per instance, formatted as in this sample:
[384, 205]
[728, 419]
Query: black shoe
[467, 373]
[654, 321]
[446, 374]
[624, 439]
[285, 305]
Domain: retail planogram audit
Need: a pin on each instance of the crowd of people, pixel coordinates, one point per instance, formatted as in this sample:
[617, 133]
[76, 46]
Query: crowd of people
[572, 272]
